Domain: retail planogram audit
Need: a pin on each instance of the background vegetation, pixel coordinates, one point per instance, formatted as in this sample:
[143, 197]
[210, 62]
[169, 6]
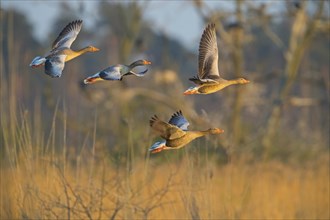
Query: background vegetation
[75, 151]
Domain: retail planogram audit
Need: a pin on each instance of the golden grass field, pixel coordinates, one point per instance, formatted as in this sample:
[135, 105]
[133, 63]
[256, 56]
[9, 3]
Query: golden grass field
[46, 179]
[43, 176]
[36, 188]
[68, 152]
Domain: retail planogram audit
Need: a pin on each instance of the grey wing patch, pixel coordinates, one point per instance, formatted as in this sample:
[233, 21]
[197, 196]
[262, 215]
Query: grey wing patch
[179, 120]
[208, 54]
[210, 80]
[55, 65]
[68, 35]
[111, 73]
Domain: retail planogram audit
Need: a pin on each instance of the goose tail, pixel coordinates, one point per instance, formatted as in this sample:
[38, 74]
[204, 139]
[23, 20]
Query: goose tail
[92, 79]
[37, 61]
[157, 147]
[191, 91]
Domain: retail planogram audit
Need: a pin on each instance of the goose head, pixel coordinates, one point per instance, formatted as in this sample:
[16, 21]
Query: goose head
[215, 131]
[242, 81]
[92, 49]
[144, 62]
[140, 63]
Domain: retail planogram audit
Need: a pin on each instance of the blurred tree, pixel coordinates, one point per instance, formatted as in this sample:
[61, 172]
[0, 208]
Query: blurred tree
[234, 37]
[237, 33]
[15, 79]
[282, 52]
[264, 42]
[20, 27]
[124, 21]
[302, 33]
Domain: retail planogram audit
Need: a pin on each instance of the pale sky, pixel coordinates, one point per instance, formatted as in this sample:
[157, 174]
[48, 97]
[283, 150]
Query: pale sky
[177, 19]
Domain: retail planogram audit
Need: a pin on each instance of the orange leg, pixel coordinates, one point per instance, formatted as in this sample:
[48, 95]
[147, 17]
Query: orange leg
[157, 150]
[92, 80]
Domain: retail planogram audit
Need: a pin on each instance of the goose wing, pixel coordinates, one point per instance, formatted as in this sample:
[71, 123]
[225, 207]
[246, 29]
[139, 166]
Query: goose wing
[139, 74]
[112, 73]
[179, 120]
[55, 65]
[67, 35]
[208, 54]
[165, 130]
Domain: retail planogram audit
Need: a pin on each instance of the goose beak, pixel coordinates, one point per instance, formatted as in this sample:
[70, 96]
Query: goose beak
[95, 49]
[217, 131]
[146, 62]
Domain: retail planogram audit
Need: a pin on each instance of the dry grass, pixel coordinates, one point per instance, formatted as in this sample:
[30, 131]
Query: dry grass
[45, 176]
[43, 189]
[43, 179]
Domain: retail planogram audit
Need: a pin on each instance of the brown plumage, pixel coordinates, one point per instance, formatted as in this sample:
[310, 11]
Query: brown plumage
[175, 132]
[208, 79]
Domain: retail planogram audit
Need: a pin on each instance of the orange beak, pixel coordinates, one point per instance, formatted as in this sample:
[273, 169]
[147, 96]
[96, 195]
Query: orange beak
[95, 49]
[146, 62]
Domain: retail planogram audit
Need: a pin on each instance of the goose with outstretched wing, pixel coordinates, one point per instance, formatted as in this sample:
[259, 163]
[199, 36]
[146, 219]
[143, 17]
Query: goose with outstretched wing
[61, 52]
[175, 132]
[117, 72]
[208, 79]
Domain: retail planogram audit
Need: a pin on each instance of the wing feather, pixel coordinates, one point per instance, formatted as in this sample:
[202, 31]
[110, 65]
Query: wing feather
[68, 35]
[55, 65]
[165, 130]
[208, 54]
[111, 73]
[179, 120]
